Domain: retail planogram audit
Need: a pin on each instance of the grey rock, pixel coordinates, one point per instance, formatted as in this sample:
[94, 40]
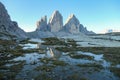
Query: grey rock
[42, 24]
[40, 34]
[72, 25]
[56, 22]
[8, 26]
[84, 30]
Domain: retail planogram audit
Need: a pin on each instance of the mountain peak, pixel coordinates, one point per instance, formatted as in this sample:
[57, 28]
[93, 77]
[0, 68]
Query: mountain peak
[1, 4]
[42, 24]
[72, 18]
[56, 11]
[72, 24]
[72, 15]
[56, 21]
[9, 26]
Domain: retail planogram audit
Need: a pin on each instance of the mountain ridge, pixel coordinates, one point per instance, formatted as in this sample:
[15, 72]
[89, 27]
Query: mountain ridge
[53, 28]
[55, 25]
[8, 26]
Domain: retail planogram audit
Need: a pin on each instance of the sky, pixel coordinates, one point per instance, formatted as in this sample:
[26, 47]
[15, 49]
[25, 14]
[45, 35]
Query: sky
[96, 15]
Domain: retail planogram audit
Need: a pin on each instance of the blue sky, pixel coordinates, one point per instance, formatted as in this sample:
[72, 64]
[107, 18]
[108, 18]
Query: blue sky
[96, 15]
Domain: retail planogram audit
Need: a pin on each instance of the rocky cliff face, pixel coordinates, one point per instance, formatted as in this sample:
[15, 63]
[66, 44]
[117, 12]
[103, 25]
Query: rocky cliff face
[72, 24]
[8, 26]
[84, 30]
[42, 24]
[56, 22]
[55, 27]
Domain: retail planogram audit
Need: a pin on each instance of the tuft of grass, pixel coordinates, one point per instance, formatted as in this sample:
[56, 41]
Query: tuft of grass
[111, 54]
[1, 76]
[74, 76]
[10, 72]
[43, 76]
[46, 68]
[67, 49]
[116, 71]
[59, 63]
[27, 41]
[45, 60]
[17, 67]
[53, 41]
[81, 56]
[91, 65]
[72, 42]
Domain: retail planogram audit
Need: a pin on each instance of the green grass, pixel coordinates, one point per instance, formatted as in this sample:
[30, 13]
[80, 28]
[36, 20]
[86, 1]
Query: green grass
[6, 45]
[45, 60]
[80, 56]
[53, 41]
[72, 42]
[43, 76]
[46, 68]
[17, 67]
[111, 54]
[91, 65]
[116, 71]
[11, 72]
[12, 37]
[53, 62]
[56, 41]
[74, 76]
[27, 41]
[67, 49]
[59, 63]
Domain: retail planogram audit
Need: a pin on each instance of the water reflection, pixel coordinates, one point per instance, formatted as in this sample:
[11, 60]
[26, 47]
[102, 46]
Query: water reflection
[30, 58]
[50, 51]
[28, 46]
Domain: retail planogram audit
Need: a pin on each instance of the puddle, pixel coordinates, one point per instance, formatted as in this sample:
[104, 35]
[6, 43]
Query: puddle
[72, 61]
[8, 65]
[118, 66]
[29, 58]
[36, 40]
[33, 60]
[98, 58]
[28, 46]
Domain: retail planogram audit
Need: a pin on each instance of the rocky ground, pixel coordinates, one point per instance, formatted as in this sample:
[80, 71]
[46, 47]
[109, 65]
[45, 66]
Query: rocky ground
[30, 60]
[102, 40]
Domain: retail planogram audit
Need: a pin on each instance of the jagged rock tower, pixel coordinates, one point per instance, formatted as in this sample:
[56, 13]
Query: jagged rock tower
[42, 24]
[56, 22]
[72, 24]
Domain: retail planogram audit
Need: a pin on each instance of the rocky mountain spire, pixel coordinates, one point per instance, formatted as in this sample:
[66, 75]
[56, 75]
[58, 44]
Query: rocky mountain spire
[8, 26]
[42, 24]
[72, 24]
[56, 22]
[84, 30]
